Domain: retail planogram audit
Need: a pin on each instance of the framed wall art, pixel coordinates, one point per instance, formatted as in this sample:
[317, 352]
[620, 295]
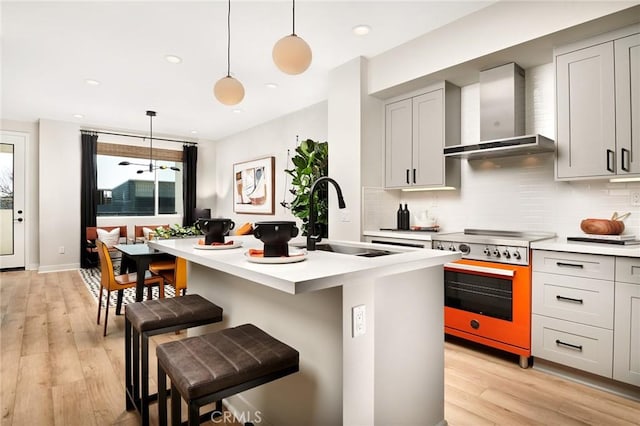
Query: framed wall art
[254, 183]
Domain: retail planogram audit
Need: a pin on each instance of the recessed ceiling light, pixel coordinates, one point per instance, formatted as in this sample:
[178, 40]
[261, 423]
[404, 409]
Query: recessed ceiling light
[237, 111]
[173, 59]
[78, 115]
[194, 132]
[271, 85]
[92, 82]
[361, 30]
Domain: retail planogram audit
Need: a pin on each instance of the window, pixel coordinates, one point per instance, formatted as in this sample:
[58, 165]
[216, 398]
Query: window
[135, 191]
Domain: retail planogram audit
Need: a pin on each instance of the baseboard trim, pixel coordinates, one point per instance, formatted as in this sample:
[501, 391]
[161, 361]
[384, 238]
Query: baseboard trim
[58, 268]
[598, 382]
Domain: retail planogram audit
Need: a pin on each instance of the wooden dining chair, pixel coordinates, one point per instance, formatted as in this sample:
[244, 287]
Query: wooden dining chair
[176, 276]
[111, 282]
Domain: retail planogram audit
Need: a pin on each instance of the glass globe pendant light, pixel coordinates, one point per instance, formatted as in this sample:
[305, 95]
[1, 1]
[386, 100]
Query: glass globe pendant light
[228, 90]
[291, 54]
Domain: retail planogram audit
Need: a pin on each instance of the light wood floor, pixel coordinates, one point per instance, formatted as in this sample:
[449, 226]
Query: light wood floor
[58, 369]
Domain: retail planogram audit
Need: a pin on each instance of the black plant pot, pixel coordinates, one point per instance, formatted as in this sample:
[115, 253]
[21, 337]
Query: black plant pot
[275, 235]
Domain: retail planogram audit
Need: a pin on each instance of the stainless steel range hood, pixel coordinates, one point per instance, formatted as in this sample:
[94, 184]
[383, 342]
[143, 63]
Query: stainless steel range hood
[502, 118]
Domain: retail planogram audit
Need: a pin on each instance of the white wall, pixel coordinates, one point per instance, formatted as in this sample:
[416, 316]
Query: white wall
[496, 27]
[215, 183]
[31, 189]
[517, 193]
[345, 135]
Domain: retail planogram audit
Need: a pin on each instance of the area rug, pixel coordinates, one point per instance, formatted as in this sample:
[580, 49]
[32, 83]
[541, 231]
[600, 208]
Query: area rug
[91, 279]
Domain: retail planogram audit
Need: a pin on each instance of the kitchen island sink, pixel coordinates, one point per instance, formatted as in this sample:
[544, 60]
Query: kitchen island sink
[350, 250]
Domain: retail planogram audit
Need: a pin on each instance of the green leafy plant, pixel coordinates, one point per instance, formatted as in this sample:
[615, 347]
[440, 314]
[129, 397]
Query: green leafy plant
[310, 162]
[177, 231]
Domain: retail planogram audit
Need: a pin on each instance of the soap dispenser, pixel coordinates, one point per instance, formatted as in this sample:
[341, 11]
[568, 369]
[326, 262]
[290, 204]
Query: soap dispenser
[399, 220]
[405, 218]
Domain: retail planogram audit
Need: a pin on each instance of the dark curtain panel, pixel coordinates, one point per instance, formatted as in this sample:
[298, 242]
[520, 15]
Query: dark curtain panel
[189, 184]
[88, 193]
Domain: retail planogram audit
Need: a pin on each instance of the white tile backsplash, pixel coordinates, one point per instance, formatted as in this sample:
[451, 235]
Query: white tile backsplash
[515, 193]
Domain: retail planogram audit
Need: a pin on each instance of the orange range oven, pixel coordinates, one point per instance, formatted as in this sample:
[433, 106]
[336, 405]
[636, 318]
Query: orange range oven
[488, 291]
[489, 303]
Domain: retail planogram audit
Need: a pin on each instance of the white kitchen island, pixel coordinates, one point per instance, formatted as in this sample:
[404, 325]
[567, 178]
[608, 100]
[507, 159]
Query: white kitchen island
[393, 374]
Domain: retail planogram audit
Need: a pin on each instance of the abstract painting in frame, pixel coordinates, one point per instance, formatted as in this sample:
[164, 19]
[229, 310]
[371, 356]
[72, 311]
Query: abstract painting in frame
[254, 183]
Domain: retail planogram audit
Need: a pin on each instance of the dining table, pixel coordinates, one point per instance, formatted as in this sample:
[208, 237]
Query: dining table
[141, 255]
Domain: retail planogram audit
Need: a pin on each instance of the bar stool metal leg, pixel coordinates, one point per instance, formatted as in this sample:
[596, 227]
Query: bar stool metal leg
[127, 365]
[144, 398]
[176, 406]
[162, 396]
[136, 367]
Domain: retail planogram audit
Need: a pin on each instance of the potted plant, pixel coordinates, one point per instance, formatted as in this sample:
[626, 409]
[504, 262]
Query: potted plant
[310, 162]
[177, 231]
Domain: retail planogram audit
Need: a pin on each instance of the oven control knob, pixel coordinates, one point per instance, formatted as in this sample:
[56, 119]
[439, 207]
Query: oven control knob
[464, 248]
[517, 255]
[506, 254]
[486, 251]
[439, 246]
[496, 252]
[452, 248]
[474, 324]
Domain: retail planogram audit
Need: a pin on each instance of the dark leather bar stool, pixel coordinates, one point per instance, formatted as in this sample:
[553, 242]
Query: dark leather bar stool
[151, 317]
[208, 368]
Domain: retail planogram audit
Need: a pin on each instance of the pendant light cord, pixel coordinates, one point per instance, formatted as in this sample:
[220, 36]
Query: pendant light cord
[229, 40]
[294, 18]
[150, 143]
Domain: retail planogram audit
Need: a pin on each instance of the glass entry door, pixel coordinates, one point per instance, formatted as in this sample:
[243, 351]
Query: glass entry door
[12, 175]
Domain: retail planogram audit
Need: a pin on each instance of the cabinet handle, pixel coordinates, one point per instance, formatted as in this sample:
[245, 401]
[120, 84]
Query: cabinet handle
[569, 299]
[408, 176]
[414, 175]
[569, 265]
[625, 159]
[610, 160]
[569, 345]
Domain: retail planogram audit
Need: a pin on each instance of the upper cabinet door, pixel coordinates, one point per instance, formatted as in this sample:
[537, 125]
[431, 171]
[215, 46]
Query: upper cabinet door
[428, 139]
[585, 97]
[627, 54]
[398, 141]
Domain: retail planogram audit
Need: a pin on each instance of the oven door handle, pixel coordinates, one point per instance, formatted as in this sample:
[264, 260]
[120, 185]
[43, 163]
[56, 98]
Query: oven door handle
[479, 269]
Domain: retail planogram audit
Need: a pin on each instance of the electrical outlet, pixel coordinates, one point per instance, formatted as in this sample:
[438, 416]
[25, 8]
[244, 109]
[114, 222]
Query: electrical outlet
[358, 320]
[61, 250]
[345, 215]
[635, 198]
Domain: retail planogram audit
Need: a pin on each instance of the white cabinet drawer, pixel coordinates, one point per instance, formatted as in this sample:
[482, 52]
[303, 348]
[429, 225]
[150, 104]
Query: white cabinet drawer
[582, 300]
[575, 345]
[574, 264]
[628, 270]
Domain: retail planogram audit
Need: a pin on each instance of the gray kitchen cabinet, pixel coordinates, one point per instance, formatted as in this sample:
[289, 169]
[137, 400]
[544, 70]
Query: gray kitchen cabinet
[417, 128]
[627, 57]
[626, 343]
[598, 107]
[572, 310]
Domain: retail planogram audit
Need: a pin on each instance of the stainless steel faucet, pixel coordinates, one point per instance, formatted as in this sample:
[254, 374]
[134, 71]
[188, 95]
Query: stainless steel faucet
[311, 229]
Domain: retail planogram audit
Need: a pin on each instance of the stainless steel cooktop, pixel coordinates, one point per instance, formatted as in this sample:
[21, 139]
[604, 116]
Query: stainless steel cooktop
[492, 245]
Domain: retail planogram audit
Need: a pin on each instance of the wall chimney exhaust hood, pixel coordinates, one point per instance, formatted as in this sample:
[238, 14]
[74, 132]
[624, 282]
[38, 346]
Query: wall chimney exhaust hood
[502, 118]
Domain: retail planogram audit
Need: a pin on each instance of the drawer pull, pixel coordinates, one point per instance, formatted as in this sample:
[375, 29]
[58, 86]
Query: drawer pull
[569, 299]
[569, 265]
[408, 176]
[569, 345]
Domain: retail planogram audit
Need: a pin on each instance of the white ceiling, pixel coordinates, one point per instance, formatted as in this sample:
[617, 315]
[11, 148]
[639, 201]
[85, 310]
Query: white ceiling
[49, 49]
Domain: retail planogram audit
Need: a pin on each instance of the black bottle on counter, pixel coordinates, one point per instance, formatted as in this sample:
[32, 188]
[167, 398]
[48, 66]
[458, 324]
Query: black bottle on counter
[405, 218]
[399, 217]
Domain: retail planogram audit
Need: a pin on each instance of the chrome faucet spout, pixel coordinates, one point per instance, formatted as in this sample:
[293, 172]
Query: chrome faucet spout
[312, 239]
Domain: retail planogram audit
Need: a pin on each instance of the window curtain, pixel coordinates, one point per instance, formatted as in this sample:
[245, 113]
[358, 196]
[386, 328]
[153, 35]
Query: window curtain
[88, 192]
[189, 184]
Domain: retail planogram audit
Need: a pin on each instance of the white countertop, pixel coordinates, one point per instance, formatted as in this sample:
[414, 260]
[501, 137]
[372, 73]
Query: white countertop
[405, 235]
[318, 271]
[561, 244]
